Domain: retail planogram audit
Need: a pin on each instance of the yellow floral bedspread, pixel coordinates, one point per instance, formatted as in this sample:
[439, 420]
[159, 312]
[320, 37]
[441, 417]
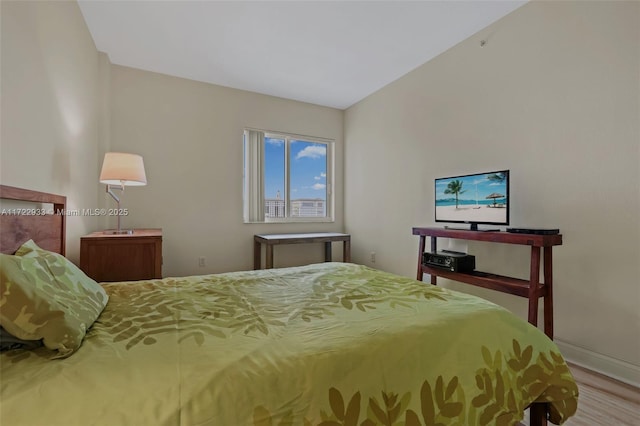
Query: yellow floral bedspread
[324, 344]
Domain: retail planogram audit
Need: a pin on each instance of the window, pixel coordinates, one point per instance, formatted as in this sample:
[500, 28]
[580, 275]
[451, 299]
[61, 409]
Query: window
[287, 178]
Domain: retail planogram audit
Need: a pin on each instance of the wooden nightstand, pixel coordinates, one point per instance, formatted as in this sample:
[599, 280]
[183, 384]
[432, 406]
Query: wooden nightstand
[137, 256]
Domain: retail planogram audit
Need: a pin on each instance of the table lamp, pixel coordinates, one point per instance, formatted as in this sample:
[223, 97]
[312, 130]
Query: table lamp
[120, 169]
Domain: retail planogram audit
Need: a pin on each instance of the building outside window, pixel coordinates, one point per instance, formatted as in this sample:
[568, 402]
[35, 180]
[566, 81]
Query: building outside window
[287, 178]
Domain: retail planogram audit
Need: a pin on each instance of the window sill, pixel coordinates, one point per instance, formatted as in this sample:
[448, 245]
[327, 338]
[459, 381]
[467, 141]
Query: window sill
[294, 220]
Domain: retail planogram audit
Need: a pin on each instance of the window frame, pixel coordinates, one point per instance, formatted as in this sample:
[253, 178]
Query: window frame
[254, 200]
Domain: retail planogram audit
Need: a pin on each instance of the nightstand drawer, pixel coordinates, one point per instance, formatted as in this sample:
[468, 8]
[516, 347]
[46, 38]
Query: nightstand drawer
[132, 257]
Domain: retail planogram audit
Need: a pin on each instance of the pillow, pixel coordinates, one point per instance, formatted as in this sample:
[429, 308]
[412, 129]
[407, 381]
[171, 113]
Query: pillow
[45, 296]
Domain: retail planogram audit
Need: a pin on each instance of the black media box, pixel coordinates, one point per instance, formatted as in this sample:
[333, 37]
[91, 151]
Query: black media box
[455, 262]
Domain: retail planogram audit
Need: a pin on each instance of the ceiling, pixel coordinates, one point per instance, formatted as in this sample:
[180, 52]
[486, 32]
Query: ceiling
[331, 53]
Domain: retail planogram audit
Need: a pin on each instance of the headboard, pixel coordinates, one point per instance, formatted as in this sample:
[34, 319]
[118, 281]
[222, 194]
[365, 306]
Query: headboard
[20, 224]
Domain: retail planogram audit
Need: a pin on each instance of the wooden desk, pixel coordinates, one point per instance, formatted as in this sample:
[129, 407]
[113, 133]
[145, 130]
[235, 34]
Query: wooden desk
[271, 240]
[532, 288]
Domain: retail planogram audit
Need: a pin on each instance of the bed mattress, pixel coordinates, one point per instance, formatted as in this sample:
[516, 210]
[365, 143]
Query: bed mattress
[329, 343]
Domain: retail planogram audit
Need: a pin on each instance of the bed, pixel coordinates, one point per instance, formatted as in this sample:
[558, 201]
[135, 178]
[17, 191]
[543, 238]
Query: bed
[322, 344]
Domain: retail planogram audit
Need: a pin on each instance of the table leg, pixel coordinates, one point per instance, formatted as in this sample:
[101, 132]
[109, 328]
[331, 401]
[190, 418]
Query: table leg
[327, 251]
[534, 281]
[257, 255]
[269, 257]
[420, 251]
[548, 299]
[434, 249]
[346, 251]
[421, 247]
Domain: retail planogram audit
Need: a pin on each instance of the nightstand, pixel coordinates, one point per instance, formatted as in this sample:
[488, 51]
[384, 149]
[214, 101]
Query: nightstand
[136, 256]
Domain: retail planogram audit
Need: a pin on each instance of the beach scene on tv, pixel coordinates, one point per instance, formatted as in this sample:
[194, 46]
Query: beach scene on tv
[478, 198]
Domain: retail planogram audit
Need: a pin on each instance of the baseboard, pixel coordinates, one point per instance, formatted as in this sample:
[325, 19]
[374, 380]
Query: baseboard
[616, 369]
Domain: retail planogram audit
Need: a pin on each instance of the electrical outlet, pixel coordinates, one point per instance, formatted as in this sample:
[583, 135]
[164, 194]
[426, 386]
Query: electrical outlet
[201, 262]
[373, 257]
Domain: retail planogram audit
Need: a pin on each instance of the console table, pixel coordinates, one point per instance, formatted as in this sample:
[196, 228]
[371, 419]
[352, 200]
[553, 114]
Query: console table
[532, 288]
[320, 237]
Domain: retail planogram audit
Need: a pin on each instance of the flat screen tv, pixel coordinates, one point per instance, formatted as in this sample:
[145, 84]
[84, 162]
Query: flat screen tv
[476, 199]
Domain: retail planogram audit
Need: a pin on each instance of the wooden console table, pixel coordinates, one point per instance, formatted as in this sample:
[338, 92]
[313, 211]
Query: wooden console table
[320, 237]
[532, 288]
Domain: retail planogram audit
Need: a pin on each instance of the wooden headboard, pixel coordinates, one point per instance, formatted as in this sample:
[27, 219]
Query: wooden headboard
[22, 223]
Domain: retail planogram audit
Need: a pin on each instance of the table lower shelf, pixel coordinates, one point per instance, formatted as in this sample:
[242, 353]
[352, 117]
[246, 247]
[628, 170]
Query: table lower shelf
[502, 283]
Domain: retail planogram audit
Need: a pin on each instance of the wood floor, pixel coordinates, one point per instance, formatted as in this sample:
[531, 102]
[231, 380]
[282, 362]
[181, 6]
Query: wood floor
[604, 401]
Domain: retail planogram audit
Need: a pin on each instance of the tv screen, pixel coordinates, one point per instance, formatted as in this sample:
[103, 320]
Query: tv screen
[477, 199]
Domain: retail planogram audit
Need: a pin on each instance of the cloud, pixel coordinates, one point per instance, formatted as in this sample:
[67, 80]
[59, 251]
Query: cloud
[319, 186]
[322, 176]
[313, 151]
[273, 141]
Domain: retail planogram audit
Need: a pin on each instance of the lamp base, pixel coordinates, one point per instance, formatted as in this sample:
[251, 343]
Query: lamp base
[118, 232]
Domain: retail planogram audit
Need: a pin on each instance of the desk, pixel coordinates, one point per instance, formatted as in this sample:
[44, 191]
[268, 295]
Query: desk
[271, 240]
[530, 288]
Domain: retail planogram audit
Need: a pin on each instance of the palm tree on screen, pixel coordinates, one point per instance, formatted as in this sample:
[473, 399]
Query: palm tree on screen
[455, 188]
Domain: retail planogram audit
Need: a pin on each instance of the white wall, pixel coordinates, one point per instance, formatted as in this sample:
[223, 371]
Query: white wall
[64, 105]
[190, 136]
[553, 96]
[49, 111]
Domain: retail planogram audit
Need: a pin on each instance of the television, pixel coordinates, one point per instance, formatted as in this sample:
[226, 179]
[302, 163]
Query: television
[476, 199]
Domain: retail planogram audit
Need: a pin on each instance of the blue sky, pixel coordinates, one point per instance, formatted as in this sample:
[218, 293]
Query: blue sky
[308, 169]
[469, 184]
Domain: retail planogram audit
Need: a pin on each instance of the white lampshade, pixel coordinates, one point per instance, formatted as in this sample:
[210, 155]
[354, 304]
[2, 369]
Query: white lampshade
[119, 168]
